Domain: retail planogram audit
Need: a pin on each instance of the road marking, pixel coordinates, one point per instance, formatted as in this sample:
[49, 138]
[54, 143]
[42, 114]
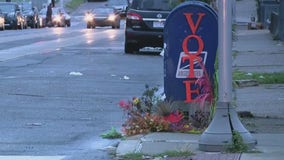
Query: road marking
[32, 157]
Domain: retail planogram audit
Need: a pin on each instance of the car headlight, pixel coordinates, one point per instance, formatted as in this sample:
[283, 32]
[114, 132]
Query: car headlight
[2, 21]
[57, 18]
[111, 17]
[89, 17]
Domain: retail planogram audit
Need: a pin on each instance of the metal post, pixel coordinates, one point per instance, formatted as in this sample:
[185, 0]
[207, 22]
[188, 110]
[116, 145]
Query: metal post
[219, 133]
[234, 12]
[61, 3]
[281, 20]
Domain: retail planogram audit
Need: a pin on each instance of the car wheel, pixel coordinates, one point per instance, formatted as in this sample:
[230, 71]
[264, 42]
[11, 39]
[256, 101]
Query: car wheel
[130, 48]
[68, 23]
[21, 26]
[37, 25]
[89, 25]
[118, 24]
[3, 27]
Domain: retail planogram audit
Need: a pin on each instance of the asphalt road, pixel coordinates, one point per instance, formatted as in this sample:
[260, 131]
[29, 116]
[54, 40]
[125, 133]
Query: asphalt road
[59, 88]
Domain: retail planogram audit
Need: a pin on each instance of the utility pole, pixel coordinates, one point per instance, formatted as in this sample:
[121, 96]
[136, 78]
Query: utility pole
[281, 21]
[61, 3]
[219, 133]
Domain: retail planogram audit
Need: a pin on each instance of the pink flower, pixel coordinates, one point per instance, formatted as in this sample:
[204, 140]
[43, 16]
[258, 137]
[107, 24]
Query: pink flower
[125, 105]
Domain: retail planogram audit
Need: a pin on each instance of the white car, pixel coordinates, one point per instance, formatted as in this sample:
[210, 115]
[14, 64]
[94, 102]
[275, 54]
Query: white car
[60, 18]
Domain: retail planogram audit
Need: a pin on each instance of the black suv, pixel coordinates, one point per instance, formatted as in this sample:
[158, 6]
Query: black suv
[145, 23]
[13, 16]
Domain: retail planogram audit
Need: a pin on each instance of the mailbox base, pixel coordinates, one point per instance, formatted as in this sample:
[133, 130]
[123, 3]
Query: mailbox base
[218, 136]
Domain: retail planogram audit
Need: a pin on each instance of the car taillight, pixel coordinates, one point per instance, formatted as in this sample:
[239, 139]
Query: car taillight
[134, 16]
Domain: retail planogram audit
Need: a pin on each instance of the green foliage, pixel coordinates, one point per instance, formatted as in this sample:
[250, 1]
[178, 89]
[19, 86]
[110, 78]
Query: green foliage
[165, 108]
[140, 156]
[175, 154]
[132, 156]
[238, 145]
[139, 123]
[200, 119]
[149, 98]
[111, 134]
[262, 78]
[74, 3]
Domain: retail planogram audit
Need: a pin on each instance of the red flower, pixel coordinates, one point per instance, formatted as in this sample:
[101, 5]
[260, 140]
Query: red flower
[174, 117]
[125, 105]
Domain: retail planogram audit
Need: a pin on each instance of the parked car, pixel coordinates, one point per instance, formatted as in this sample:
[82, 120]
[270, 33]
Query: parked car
[31, 13]
[60, 18]
[145, 23]
[104, 16]
[2, 22]
[13, 16]
[119, 5]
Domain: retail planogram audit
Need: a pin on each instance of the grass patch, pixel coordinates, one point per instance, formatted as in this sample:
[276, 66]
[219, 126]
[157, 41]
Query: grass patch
[175, 154]
[133, 156]
[262, 78]
[140, 156]
[238, 145]
[111, 134]
[74, 4]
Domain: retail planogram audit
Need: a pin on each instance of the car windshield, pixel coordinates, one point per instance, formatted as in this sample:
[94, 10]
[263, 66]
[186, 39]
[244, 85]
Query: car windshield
[57, 11]
[117, 2]
[103, 10]
[42, 11]
[160, 5]
[26, 6]
[7, 8]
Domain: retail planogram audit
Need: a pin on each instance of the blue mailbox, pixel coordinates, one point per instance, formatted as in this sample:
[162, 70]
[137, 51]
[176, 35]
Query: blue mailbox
[191, 41]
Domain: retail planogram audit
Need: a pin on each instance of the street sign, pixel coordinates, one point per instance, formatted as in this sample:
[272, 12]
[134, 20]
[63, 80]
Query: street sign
[191, 41]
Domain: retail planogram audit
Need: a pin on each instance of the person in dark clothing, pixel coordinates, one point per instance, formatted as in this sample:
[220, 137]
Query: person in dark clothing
[49, 15]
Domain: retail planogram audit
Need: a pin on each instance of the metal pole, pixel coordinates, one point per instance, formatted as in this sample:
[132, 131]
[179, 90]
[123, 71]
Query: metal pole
[234, 12]
[225, 49]
[61, 3]
[218, 135]
[281, 20]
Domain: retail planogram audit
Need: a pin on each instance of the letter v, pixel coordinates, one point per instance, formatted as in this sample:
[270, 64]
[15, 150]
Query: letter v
[193, 26]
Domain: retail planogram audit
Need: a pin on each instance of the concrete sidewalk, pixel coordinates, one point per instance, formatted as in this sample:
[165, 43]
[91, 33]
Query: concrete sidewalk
[254, 51]
[270, 146]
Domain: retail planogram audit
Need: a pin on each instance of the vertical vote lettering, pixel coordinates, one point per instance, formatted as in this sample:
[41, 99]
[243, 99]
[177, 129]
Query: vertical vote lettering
[192, 57]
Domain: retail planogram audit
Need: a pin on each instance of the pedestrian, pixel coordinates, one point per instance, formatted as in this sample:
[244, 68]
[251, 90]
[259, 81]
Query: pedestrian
[49, 15]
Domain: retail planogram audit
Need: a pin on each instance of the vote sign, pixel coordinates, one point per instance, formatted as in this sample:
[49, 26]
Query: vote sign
[191, 40]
